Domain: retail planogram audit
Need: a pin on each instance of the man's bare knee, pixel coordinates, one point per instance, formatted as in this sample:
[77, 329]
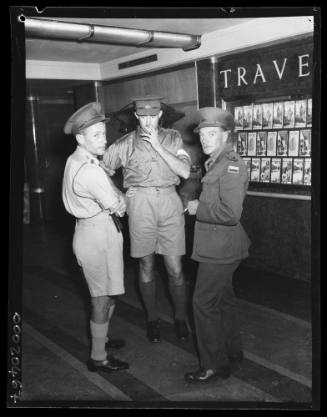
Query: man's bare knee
[176, 278]
[146, 265]
[174, 269]
[101, 304]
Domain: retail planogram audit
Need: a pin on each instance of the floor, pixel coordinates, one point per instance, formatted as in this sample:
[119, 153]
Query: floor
[276, 329]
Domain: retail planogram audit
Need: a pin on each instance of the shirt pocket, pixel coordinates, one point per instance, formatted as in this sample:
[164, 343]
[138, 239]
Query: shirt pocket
[216, 241]
[139, 168]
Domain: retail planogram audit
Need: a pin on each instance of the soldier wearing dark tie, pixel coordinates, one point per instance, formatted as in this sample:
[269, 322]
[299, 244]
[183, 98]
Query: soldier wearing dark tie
[220, 243]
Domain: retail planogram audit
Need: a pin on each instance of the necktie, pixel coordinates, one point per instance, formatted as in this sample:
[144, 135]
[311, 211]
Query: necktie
[208, 163]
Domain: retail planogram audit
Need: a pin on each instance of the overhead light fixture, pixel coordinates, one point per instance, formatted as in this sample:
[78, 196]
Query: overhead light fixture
[53, 29]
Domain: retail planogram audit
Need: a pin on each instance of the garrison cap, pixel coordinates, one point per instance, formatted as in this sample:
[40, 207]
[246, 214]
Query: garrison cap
[84, 117]
[147, 105]
[214, 116]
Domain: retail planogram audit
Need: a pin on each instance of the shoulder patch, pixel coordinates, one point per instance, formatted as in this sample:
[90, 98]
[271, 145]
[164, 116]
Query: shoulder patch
[232, 156]
[88, 166]
[232, 169]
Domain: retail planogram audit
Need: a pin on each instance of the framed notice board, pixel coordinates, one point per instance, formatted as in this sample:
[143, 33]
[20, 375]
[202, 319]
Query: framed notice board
[274, 139]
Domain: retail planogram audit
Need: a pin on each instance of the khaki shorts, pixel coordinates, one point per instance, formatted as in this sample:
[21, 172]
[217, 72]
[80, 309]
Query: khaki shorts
[156, 222]
[98, 248]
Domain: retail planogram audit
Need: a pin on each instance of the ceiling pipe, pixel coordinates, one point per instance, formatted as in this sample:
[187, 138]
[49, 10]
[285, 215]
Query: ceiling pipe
[53, 29]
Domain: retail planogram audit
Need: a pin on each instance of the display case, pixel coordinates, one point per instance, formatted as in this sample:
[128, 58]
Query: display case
[269, 92]
[274, 139]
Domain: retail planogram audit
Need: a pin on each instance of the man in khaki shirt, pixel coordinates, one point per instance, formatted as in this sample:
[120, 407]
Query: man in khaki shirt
[153, 160]
[91, 197]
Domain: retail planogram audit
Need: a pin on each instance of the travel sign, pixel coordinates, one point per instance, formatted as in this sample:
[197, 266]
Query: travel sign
[271, 71]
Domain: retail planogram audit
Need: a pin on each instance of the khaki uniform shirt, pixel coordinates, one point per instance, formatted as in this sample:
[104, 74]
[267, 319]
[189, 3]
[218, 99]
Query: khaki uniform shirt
[86, 189]
[142, 166]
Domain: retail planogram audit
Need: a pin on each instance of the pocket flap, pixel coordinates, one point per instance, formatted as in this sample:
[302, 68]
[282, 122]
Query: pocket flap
[212, 226]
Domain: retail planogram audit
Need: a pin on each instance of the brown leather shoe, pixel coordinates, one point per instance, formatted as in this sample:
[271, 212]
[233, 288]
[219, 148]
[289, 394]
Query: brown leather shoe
[206, 375]
[115, 344]
[108, 365]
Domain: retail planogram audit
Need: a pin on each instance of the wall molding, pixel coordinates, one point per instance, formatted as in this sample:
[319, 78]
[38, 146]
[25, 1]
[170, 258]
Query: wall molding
[279, 195]
[61, 70]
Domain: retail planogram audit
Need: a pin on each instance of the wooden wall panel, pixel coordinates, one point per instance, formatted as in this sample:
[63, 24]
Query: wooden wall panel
[280, 231]
[58, 146]
[177, 86]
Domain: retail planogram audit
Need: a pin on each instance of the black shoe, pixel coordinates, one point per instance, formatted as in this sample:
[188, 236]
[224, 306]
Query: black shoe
[206, 375]
[115, 344]
[181, 329]
[153, 331]
[108, 365]
[236, 357]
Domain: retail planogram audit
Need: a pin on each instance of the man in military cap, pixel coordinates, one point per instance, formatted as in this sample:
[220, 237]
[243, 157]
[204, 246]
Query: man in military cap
[220, 243]
[153, 160]
[90, 196]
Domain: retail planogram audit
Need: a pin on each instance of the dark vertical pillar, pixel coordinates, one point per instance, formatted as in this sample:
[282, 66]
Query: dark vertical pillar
[99, 95]
[35, 162]
[84, 94]
[219, 99]
[206, 75]
[88, 93]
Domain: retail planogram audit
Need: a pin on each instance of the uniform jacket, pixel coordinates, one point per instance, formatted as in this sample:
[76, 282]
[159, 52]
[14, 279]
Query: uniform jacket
[219, 236]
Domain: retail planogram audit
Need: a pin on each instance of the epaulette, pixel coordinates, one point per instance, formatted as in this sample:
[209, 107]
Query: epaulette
[232, 156]
[126, 137]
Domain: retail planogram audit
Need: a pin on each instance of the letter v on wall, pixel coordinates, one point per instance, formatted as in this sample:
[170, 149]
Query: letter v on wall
[280, 73]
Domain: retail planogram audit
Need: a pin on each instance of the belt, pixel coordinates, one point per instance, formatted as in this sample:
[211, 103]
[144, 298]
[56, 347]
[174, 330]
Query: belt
[154, 190]
[102, 215]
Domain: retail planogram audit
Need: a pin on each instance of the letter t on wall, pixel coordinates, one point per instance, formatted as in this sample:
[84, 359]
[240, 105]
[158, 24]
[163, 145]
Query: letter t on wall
[225, 77]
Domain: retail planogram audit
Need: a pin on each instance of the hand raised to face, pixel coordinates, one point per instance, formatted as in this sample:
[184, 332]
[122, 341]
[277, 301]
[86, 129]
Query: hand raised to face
[150, 134]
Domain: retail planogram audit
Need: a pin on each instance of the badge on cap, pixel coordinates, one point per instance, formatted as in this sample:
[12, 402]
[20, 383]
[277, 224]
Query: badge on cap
[233, 169]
